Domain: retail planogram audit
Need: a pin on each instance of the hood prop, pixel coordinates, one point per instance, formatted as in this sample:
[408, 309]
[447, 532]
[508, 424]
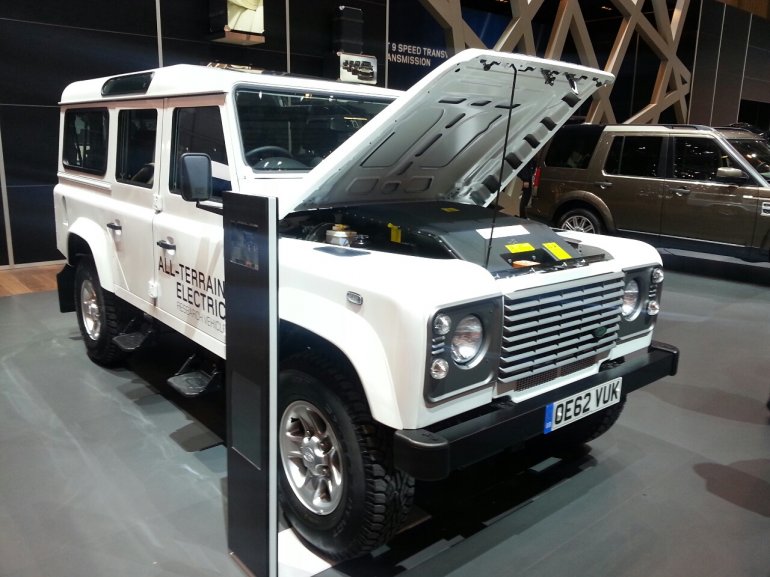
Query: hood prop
[487, 66]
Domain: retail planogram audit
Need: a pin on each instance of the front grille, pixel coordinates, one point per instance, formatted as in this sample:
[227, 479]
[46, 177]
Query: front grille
[547, 335]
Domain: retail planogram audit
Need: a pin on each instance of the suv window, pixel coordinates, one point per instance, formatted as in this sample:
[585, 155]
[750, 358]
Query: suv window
[136, 146]
[698, 158]
[634, 156]
[573, 146]
[85, 139]
[299, 129]
[756, 152]
[199, 129]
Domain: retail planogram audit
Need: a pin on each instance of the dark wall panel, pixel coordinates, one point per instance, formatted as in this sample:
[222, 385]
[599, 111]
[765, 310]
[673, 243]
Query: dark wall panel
[32, 224]
[41, 71]
[313, 44]
[756, 84]
[706, 60]
[29, 152]
[190, 52]
[134, 17]
[30, 144]
[732, 57]
[186, 20]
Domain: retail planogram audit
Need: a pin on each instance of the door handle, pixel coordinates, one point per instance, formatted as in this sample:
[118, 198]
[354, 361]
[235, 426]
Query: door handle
[114, 226]
[603, 184]
[166, 245]
[680, 191]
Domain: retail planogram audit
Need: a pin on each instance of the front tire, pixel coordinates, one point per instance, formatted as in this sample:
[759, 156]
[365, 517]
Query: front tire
[338, 487]
[99, 314]
[581, 220]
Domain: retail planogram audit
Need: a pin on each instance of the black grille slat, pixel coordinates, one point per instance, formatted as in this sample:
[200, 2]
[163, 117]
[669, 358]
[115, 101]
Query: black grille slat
[556, 333]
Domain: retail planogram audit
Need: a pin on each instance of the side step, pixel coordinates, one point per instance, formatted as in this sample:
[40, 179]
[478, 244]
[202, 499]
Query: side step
[192, 382]
[129, 342]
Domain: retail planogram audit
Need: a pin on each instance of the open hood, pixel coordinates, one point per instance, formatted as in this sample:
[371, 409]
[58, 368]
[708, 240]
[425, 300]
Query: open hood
[445, 138]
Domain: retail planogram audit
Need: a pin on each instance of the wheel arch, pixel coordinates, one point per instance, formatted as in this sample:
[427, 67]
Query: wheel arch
[365, 359]
[586, 200]
[86, 238]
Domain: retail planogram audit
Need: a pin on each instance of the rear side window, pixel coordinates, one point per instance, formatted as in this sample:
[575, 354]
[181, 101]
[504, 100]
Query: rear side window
[84, 145]
[136, 147]
[635, 156]
[573, 146]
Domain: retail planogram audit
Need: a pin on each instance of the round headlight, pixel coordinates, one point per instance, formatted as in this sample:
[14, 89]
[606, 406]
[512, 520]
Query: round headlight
[467, 339]
[442, 324]
[630, 307]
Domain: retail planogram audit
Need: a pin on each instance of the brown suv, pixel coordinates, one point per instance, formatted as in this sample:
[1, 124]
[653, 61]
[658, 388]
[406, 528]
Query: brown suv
[676, 186]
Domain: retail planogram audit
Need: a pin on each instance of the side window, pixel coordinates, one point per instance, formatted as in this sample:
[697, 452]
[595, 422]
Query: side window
[572, 147]
[698, 158]
[136, 147]
[85, 139]
[634, 156]
[199, 129]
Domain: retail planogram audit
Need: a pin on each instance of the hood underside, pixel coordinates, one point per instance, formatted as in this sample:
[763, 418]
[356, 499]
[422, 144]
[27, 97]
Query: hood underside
[445, 138]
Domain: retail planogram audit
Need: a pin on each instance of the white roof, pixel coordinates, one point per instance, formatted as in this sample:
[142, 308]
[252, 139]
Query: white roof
[188, 79]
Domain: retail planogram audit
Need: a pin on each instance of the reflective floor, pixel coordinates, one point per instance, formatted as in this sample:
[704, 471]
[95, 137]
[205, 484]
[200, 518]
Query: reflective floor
[110, 473]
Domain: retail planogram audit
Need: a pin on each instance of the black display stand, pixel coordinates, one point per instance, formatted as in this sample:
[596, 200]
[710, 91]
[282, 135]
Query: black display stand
[251, 285]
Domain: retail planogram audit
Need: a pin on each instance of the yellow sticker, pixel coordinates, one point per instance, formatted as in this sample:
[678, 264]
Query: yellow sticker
[520, 247]
[450, 209]
[556, 251]
[395, 233]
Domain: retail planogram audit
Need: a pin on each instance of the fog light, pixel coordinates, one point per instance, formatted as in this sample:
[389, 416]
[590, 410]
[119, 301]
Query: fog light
[439, 368]
[653, 308]
[657, 275]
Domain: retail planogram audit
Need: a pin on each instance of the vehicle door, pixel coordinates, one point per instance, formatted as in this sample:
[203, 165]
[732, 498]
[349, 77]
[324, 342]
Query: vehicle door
[187, 239]
[696, 205]
[630, 181]
[135, 193]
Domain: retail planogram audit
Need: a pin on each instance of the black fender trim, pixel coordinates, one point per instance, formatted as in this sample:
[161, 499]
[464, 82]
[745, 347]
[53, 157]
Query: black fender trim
[65, 284]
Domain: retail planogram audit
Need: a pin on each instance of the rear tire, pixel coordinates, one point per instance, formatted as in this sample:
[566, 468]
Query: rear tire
[338, 487]
[581, 220]
[100, 315]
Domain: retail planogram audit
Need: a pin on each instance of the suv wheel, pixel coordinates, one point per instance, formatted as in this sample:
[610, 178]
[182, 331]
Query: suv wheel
[338, 487]
[581, 220]
[99, 314]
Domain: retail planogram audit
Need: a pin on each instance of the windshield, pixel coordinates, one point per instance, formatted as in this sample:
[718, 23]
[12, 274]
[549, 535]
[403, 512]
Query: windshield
[292, 131]
[757, 152]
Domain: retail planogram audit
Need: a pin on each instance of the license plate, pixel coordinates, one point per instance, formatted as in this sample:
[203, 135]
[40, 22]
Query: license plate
[582, 404]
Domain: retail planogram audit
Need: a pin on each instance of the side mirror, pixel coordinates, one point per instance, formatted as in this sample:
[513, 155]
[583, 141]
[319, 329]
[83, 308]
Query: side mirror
[195, 176]
[730, 174]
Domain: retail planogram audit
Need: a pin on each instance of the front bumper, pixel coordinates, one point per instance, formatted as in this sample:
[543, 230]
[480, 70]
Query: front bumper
[431, 454]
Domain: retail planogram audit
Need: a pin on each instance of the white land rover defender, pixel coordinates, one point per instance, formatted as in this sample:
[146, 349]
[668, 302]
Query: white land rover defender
[421, 329]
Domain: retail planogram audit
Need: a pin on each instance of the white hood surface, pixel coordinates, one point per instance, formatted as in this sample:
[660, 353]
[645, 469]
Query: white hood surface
[445, 138]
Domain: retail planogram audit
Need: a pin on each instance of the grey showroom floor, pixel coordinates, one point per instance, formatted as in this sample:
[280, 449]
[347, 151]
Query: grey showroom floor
[108, 473]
